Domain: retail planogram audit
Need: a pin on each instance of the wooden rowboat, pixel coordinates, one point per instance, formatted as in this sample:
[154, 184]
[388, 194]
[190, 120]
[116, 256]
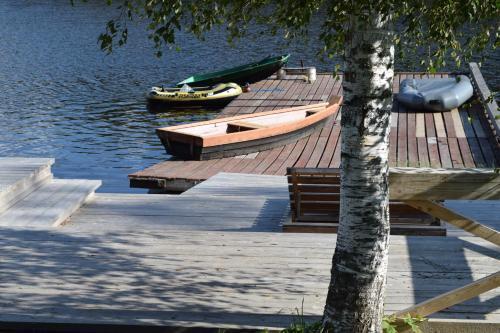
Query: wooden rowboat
[248, 73]
[245, 134]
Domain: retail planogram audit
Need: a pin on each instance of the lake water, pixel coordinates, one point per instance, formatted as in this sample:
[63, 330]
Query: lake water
[62, 97]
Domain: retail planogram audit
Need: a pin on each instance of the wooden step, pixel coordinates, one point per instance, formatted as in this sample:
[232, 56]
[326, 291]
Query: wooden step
[20, 176]
[50, 205]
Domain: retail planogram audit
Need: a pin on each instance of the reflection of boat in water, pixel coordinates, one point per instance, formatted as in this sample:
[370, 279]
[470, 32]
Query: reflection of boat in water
[189, 97]
[233, 136]
[248, 73]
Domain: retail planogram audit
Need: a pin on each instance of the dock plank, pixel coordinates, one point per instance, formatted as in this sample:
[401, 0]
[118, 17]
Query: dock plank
[308, 150]
[423, 153]
[393, 135]
[456, 157]
[332, 143]
[320, 146]
[266, 162]
[444, 152]
[292, 157]
[451, 134]
[413, 160]
[283, 156]
[402, 138]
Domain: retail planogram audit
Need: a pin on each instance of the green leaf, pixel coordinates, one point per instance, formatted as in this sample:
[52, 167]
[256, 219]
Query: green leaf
[388, 327]
[413, 323]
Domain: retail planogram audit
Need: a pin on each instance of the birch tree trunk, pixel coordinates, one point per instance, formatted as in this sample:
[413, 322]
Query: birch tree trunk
[356, 293]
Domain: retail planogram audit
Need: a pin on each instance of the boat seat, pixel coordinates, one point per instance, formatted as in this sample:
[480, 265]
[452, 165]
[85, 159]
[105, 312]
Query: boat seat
[239, 126]
[311, 112]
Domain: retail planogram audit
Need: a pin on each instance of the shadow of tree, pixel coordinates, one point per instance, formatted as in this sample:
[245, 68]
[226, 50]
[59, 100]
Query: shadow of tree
[48, 276]
[272, 214]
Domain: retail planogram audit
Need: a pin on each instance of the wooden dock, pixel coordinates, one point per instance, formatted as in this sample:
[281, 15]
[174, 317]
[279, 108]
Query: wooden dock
[210, 257]
[461, 138]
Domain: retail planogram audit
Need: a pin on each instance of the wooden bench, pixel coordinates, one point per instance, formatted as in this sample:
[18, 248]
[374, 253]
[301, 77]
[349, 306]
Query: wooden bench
[314, 201]
[420, 188]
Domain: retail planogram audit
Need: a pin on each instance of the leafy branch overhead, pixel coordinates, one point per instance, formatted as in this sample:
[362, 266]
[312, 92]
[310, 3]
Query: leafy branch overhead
[436, 29]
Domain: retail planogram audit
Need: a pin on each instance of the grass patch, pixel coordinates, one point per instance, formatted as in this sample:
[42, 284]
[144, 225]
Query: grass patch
[390, 324]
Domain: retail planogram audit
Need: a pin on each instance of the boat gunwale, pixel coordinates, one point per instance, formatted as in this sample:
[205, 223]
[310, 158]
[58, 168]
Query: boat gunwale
[244, 116]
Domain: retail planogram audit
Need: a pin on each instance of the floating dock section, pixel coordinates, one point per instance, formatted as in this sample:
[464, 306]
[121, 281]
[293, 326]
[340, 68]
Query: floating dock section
[461, 138]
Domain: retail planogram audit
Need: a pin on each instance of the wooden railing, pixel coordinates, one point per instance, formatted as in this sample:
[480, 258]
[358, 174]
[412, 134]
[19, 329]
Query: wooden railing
[488, 101]
[459, 221]
[452, 297]
[441, 185]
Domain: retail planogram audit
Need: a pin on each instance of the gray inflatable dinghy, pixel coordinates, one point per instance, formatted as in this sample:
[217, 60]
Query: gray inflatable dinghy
[435, 94]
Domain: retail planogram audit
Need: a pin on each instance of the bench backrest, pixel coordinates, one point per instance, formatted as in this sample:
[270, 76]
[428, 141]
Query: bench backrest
[421, 183]
[315, 197]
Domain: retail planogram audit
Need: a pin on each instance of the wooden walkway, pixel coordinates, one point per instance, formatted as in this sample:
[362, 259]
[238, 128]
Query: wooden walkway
[457, 139]
[221, 279]
[211, 257]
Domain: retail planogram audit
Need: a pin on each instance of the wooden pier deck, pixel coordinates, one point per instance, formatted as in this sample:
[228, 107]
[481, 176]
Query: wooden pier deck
[211, 257]
[461, 138]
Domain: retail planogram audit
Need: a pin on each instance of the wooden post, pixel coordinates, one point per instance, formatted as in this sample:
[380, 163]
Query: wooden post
[490, 105]
[453, 297]
[455, 219]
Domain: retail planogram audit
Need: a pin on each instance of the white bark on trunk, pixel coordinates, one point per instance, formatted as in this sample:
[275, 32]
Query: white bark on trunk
[359, 265]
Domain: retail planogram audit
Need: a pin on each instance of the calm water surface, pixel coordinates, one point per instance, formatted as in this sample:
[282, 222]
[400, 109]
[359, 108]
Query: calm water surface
[62, 97]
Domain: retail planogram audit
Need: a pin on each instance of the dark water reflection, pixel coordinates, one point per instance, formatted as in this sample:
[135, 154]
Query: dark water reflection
[62, 97]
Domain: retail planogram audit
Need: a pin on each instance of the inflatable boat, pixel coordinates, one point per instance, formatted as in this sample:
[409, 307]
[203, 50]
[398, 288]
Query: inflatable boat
[435, 94]
[186, 96]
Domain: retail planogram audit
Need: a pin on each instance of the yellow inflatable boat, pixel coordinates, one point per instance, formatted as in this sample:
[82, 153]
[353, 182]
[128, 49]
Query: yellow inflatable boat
[186, 96]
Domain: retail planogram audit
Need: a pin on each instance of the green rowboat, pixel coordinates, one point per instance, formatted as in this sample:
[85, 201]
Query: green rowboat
[241, 75]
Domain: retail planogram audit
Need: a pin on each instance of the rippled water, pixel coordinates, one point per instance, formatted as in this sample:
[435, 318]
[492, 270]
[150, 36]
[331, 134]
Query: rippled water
[62, 97]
